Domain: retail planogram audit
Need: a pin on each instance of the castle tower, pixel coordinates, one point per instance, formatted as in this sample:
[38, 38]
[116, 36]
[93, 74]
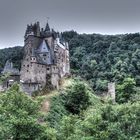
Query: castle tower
[46, 58]
[47, 28]
[111, 91]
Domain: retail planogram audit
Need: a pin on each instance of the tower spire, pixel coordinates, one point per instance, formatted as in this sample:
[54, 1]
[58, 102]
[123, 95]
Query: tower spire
[47, 28]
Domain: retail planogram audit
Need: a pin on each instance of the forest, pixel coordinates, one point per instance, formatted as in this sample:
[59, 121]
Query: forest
[96, 58]
[77, 111]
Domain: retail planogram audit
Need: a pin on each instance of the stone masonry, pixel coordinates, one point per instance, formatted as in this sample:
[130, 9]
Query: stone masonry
[46, 59]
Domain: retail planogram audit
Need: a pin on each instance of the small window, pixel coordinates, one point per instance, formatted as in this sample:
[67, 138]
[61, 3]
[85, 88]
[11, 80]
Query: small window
[44, 58]
[44, 55]
[48, 68]
[27, 65]
[27, 71]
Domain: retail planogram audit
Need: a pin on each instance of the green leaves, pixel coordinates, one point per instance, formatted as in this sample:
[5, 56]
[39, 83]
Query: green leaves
[105, 123]
[77, 97]
[19, 116]
[126, 90]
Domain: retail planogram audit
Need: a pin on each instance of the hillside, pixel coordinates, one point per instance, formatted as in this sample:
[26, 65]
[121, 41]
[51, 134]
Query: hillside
[73, 112]
[97, 58]
[102, 58]
[15, 54]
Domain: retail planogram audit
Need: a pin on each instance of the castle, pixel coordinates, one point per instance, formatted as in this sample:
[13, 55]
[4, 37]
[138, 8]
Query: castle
[46, 58]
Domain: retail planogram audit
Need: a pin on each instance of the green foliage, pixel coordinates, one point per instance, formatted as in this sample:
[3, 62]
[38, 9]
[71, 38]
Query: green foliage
[119, 122]
[57, 110]
[14, 54]
[99, 59]
[103, 58]
[72, 100]
[19, 116]
[3, 77]
[77, 97]
[76, 113]
[126, 90]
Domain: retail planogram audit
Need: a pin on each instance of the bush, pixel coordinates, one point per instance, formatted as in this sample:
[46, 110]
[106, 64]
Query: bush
[57, 110]
[77, 97]
[126, 90]
[19, 115]
[118, 122]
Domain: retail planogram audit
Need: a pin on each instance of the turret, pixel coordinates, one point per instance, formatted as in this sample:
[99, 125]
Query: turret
[29, 31]
[36, 29]
[47, 28]
[32, 30]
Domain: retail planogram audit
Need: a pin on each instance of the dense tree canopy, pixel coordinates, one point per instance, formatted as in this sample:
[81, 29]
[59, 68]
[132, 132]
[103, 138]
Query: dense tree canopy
[99, 59]
[75, 113]
[19, 116]
[14, 54]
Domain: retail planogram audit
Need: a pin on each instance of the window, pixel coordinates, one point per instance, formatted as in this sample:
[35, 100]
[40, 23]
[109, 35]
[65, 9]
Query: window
[44, 55]
[27, 65]
[48, 68]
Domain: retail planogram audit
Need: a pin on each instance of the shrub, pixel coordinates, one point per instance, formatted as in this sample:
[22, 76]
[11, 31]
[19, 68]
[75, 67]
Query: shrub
[77, 97]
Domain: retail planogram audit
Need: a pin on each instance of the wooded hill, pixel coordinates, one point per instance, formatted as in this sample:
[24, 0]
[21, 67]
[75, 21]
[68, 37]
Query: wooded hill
[97, 58]
[74, 112]
[15, 54]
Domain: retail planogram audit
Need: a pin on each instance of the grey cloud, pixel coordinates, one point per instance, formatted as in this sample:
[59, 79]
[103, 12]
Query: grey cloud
[89, 16]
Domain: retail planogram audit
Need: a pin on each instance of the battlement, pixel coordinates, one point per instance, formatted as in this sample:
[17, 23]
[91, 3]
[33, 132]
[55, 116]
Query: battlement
[46, 58]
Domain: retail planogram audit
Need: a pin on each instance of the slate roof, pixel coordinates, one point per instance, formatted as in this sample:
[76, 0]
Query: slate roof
[42, 48]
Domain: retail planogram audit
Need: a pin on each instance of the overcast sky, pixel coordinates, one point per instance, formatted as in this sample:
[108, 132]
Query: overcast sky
[83, 16]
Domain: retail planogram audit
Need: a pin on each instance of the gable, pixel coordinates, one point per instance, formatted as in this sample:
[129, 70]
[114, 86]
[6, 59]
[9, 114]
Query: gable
[44, 47]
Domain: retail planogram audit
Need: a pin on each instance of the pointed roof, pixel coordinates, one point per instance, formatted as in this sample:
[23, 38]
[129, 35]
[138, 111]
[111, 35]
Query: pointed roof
[47, 28]
[44, 47]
